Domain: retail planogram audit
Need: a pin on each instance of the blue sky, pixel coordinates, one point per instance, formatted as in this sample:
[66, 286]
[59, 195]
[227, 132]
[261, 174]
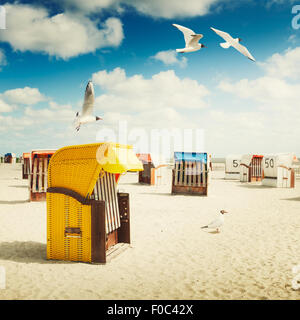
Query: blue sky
[50, 49]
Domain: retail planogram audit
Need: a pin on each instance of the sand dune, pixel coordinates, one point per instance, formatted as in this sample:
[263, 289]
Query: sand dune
[170, 256]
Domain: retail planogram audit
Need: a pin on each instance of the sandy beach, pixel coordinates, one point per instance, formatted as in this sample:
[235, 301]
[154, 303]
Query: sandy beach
[170, 257]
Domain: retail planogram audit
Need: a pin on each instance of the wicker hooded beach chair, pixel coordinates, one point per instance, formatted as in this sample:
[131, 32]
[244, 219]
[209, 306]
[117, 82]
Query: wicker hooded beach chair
[85, 214]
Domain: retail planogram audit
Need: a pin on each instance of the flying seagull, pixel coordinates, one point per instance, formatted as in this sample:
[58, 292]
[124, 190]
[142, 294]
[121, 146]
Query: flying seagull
[216, 224]
[230, 42]
[191, 39]
[87, 109]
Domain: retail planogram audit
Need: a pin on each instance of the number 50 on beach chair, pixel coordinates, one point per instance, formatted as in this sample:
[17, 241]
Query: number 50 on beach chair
[85, 213]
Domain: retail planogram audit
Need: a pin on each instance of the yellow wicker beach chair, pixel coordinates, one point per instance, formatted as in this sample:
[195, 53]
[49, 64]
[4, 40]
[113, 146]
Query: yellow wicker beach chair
[85, 214]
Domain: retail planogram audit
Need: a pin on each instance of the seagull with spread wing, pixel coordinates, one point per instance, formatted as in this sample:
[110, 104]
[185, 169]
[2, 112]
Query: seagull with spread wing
[191, 39]
[235, 43]
[87, 109]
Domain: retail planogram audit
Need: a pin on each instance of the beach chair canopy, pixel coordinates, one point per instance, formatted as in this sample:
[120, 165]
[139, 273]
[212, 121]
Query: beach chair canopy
[26, 155]
[157, 160]
[190, 156]
[78, 167]
[145, 158]
[42, 152]
[247, 158]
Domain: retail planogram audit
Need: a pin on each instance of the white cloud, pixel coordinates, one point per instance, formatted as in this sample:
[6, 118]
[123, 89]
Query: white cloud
[27, 96]
[2, 58]
[136, 93]
[285, 65]
[89, 5]
[170, 57]
[63, 35]
[164, 8]
[266, 90]
[272, 122]
[54, 113]
[45, 119]
[5, 107]
[155, 8]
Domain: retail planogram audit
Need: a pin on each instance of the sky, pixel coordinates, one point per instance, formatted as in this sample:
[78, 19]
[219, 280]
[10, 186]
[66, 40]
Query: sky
[50, 49]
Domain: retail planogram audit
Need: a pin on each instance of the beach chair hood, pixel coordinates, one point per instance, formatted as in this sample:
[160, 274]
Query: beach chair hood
[78, 167]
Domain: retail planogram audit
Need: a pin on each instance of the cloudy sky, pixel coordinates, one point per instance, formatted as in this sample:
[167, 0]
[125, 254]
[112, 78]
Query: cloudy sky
[50, 49]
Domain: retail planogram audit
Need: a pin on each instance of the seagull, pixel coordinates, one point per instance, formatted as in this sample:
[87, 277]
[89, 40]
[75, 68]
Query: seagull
[87, 109]
[230, 42]
[191, 39]
[216, 224]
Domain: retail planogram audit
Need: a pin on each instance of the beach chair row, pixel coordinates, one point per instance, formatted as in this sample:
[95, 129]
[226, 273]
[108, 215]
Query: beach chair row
[87, 216]
[274, 170]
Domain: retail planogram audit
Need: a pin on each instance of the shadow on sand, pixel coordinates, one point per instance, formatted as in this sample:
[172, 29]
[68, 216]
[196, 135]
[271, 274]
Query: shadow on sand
[213, 232]
[210, 231]
[254, 186]
[292, 199]
[14, 201]
[21, 187]
[131, 184]
[36, 252]
[26, 251]
[157, 194]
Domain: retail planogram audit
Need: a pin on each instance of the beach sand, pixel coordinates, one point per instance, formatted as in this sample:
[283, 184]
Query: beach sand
[170, 257]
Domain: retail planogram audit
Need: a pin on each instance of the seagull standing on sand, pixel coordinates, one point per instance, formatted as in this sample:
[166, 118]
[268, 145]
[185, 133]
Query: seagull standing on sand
[230, 42]
[216, 224]
[87, 109]
[191, 39]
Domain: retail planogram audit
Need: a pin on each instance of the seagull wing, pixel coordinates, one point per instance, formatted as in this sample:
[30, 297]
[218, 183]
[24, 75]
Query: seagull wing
[186, 32]
[195, 39]
[216, 223]
[89, 100]
[234, 43]
[243, 50]
[226, 36]
[87, 108]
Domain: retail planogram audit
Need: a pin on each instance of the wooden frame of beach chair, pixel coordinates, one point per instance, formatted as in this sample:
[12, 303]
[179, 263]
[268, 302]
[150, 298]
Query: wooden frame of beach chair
[86, 216]
[26, 165]
[251, 171]
[279, 171]
[152, 173]
[145, 176]
[38, 175]
[190, 175]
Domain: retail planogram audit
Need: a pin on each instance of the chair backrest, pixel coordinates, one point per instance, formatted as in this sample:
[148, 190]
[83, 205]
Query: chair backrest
[106, 190]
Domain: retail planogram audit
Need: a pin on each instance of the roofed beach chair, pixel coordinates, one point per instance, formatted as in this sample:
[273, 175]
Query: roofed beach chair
[86, 215]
